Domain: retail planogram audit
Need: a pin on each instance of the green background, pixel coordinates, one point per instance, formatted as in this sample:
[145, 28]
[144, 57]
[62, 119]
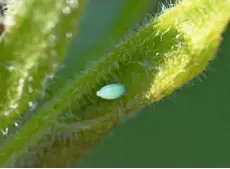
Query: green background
[187, 129]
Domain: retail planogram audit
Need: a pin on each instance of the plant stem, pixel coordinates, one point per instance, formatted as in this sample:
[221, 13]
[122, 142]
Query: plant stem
[167, 53]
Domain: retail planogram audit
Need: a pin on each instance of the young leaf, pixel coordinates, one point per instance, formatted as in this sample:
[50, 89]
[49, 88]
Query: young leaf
[167, 53]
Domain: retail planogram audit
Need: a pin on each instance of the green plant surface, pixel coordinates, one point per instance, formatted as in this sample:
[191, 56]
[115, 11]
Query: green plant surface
[188, 129]
[32, 48]
[66, 122]
[111, 27]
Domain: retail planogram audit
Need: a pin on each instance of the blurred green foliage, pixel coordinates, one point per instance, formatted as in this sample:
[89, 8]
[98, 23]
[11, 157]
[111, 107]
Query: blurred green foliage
[187, 129]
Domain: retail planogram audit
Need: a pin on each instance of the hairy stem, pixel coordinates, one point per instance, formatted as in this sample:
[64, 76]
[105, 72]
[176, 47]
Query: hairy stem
[168, 52]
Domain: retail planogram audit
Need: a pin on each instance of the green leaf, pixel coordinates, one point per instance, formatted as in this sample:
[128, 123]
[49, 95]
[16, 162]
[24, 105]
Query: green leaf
[166, 53]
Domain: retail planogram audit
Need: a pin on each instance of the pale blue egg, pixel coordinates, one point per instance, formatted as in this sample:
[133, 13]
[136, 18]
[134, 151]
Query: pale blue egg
[112, 91]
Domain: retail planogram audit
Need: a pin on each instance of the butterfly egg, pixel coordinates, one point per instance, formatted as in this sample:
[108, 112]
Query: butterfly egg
[112, 91]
